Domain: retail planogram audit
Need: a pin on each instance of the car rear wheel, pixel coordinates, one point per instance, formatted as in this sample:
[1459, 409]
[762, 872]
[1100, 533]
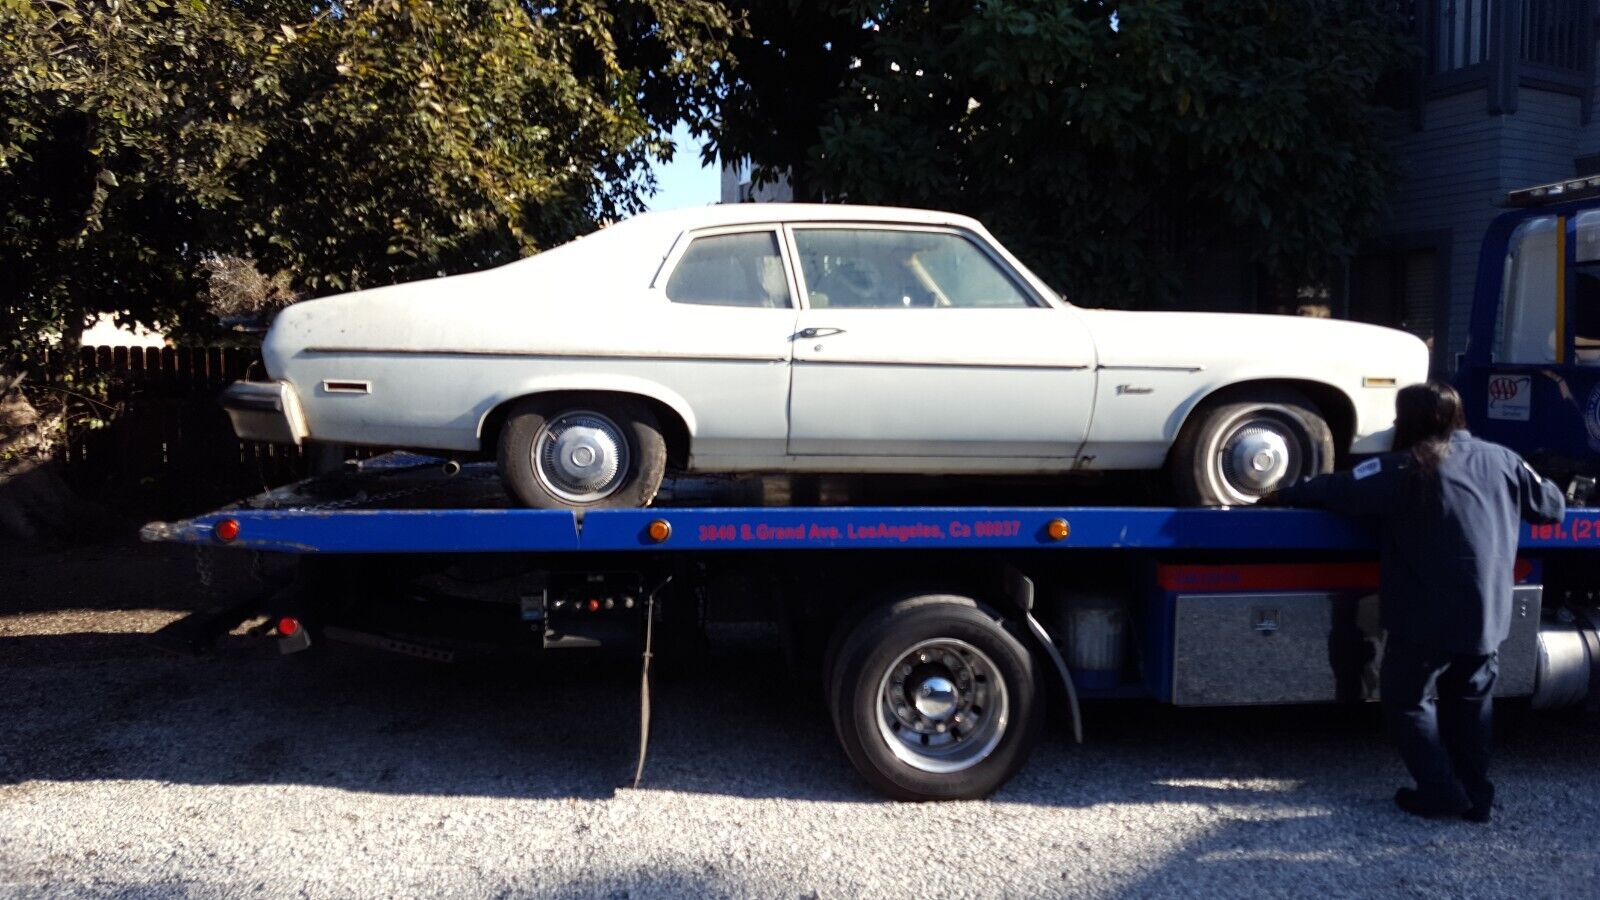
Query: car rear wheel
[582, 452]
[1237, 449]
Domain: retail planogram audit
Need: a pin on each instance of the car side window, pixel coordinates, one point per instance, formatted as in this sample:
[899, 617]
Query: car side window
[873, 268]
[731, 270]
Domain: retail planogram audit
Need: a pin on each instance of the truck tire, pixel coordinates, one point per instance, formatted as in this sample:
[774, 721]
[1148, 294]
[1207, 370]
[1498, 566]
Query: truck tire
[579, 451]
[935, 698]
[1236, 448]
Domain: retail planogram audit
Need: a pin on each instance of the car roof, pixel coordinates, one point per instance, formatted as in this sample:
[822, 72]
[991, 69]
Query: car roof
[721, 214]
[635, 248]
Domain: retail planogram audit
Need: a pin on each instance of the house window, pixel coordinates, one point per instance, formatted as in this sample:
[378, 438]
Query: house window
[1398, 290]
[1462, 34]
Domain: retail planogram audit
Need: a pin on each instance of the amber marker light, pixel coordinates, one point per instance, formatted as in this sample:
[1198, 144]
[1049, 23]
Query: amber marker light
[659, 530]
[226, 530]
[1058, 529]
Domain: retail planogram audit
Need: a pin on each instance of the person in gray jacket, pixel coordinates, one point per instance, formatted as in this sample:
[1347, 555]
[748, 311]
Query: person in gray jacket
[1448, 508]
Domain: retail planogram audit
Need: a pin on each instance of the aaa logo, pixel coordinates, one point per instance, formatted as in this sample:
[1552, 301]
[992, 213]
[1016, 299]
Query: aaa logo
[1503, 388]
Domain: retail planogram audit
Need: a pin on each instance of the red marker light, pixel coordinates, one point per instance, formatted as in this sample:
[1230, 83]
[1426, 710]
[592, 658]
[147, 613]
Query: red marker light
[226, 530]
[594, 605]
[288, 626]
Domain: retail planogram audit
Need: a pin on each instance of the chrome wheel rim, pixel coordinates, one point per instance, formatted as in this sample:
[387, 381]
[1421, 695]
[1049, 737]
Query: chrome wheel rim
[580, 456]
[942, 706]
[1260, 451]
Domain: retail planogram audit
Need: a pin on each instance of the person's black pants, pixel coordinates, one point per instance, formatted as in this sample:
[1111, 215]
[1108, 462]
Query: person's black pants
[1439, 707]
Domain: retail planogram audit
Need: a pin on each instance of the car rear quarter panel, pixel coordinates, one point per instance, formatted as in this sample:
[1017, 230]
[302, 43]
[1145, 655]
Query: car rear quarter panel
[441, 355]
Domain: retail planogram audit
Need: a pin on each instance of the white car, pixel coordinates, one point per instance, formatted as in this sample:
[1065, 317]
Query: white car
[815, 338]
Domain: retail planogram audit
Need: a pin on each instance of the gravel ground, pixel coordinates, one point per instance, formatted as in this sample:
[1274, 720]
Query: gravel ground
[124, 772]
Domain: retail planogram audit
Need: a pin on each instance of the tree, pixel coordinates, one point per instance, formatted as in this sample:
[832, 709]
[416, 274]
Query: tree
[1085, 134]
[345, 145]
[148, 147]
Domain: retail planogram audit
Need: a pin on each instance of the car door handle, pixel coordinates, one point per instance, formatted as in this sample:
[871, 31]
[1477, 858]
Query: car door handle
[809, 333]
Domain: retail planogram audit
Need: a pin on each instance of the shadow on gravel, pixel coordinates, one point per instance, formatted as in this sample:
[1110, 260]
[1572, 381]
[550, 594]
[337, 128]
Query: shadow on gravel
[107, 706]
[730, 723]
[118, 574]
[654, 881]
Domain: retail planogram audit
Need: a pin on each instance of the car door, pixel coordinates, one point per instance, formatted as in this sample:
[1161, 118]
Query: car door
[721, 341]
[924, 341]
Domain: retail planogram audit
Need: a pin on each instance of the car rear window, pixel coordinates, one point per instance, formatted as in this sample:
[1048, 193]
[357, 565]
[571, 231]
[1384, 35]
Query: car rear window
[731, 270]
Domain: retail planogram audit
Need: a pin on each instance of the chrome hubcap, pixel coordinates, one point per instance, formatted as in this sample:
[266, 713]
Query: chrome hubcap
[1257, 457]
[943, 706]
[936, 698]
[1258, 451]
[581, 456]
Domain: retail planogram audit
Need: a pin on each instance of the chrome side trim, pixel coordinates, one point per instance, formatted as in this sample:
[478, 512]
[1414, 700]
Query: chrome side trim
[681, 357]
[1151, 368]
[943, 365]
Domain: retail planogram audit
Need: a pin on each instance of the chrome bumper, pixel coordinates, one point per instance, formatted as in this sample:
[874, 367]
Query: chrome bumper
[265, 411]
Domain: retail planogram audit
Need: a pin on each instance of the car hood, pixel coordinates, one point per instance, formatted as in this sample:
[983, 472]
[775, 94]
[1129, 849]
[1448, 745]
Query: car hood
[1290, 343]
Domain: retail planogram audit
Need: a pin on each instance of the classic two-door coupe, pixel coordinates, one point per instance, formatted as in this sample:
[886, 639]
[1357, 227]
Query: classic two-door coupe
[815, 338]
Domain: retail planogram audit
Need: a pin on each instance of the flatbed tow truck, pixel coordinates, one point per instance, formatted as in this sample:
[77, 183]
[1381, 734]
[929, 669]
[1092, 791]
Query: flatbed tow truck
[939, 634]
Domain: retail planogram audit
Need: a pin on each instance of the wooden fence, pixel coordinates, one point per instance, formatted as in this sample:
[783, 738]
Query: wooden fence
[166, 448]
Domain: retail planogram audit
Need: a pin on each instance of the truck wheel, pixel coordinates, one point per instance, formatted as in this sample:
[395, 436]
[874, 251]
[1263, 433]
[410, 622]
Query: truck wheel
[934, 698]
[1235, 449]
[582, 452]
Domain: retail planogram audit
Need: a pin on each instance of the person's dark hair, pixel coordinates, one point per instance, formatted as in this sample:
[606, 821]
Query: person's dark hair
[1425, 415]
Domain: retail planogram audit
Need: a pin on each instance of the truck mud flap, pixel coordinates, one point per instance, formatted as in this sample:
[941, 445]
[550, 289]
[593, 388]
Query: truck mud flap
[390, 644]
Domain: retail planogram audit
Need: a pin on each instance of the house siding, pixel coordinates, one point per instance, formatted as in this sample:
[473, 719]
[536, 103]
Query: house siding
[1455, 170]
[1449, 183]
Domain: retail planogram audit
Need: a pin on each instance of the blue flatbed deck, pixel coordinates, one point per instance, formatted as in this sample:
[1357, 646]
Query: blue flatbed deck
[404, 504]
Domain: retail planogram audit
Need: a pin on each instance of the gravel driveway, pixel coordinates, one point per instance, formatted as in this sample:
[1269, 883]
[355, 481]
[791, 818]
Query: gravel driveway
[124, 772]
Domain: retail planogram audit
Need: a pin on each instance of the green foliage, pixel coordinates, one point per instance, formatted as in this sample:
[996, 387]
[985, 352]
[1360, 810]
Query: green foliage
[344, 145]
[1086, 146]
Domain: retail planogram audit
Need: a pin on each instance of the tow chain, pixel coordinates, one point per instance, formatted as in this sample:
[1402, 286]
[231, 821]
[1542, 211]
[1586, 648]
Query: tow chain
[205, 563]
[203, 569]
[361, 498]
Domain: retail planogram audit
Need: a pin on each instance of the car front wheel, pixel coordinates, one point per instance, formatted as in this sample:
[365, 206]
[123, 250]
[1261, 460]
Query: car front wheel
[1237, 449]
[580, 452]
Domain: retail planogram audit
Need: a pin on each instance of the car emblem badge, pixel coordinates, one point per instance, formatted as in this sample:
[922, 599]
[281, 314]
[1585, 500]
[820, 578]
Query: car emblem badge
[1134, 389]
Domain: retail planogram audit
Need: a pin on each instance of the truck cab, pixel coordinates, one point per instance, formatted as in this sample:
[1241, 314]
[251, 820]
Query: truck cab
[1530, 376]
